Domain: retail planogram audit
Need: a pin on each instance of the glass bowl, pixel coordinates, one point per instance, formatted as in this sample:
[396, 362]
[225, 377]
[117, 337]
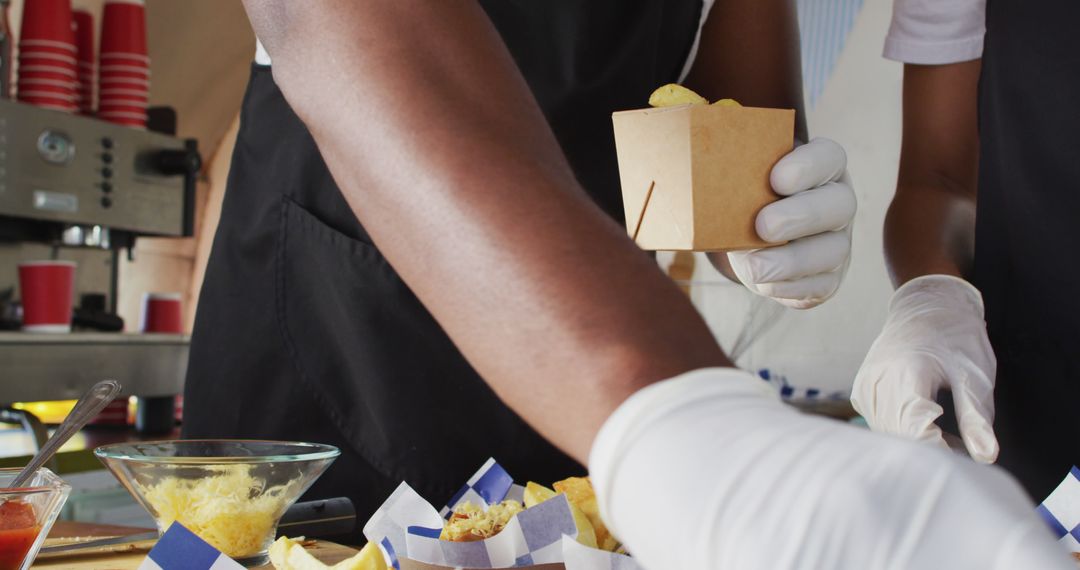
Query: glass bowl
[231, 493]
[27, 514]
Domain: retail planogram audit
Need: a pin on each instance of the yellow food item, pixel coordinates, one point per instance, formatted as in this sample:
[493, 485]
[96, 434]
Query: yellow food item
[469, 522]
[288, 554]
[674, 94]
[580, 493]
[232, 511]
[727, 103]
[536, 494]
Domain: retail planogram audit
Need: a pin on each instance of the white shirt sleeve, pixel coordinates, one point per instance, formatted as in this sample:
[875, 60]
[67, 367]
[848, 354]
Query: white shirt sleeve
[261, 57]
[936, 32]
[710, 471]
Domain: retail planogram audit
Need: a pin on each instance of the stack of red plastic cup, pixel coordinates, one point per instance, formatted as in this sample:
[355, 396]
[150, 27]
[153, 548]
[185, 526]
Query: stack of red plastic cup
[86, 74]
[124, 66]
[47, 64]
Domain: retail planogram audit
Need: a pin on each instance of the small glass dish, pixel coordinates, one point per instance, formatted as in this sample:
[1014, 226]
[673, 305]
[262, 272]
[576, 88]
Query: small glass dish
[230, 493]
[27, 514]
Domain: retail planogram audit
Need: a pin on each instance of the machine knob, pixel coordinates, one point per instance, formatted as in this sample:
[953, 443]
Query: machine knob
[183, 161]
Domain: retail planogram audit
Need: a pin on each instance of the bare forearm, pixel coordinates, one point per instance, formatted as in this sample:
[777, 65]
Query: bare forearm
[930, 226]
[443, 155]
[929, 230]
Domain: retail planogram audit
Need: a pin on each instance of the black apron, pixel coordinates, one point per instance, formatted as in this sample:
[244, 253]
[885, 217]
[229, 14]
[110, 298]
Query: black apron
[1028, 230]
[305, 332]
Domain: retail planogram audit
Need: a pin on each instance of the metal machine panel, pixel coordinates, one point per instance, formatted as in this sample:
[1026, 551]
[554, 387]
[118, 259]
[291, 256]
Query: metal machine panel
[58, 167]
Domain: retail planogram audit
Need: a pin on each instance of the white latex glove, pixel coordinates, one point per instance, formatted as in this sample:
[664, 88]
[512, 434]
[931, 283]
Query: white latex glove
[706, 471]
[934, 337]
[815, 219]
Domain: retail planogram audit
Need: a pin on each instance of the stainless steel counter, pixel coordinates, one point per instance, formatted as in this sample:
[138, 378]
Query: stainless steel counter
[38, 367]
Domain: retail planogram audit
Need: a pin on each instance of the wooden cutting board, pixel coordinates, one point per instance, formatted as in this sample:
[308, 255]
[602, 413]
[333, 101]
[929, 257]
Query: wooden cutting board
[327, 552]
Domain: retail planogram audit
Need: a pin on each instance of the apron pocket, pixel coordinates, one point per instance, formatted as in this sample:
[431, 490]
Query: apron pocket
[375, 360]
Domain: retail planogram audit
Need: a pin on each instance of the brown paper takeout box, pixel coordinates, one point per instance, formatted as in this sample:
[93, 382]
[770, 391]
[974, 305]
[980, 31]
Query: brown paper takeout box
[695, 176]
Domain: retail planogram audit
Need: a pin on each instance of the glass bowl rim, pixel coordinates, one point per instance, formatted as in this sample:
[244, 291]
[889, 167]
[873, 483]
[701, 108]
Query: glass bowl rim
[316, 451]
[54, 486]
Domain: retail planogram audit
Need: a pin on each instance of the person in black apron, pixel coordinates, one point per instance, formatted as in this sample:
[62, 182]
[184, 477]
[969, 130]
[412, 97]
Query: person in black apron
[305, 332]
[1024, 232]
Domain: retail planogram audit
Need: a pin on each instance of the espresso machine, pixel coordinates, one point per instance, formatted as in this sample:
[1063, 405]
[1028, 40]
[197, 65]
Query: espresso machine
[81, 186]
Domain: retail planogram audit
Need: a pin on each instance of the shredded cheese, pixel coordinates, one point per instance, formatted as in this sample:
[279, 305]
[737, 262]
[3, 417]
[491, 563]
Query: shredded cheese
[470, 522]
[233, 511]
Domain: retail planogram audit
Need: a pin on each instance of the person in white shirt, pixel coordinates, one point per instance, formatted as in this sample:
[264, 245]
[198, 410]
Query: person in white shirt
[980, 234]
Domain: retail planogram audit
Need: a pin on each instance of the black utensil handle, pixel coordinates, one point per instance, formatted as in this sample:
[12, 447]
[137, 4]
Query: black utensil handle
[326, 517]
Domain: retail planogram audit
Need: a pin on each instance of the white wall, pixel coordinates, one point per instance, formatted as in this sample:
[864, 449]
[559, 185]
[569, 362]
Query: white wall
[823, 347]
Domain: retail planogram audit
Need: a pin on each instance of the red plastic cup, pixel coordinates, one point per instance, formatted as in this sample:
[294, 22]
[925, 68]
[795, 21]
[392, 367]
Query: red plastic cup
[111, 106]
[124, 83]
[48, 46]
[125, 58]
[84, 36]
[65, 59]
[85, 71]
[161, 313]
[107, 106]
[115, 99]
[55, 83]
[115, 413]
[136, 95]
[47, 20]
[42, 93]
[31, 89]
[65, 105]
[47, 72]
[123, 27]
[123, 72]
[48, 291]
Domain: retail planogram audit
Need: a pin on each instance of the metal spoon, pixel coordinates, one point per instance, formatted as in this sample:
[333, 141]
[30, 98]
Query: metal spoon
[85, 410]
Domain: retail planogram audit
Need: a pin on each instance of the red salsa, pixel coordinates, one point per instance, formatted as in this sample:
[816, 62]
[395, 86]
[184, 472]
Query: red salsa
[18, 531]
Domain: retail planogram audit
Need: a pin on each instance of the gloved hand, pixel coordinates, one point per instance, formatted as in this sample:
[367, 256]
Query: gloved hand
[815, 219]
[934, 337]
[706, 471]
